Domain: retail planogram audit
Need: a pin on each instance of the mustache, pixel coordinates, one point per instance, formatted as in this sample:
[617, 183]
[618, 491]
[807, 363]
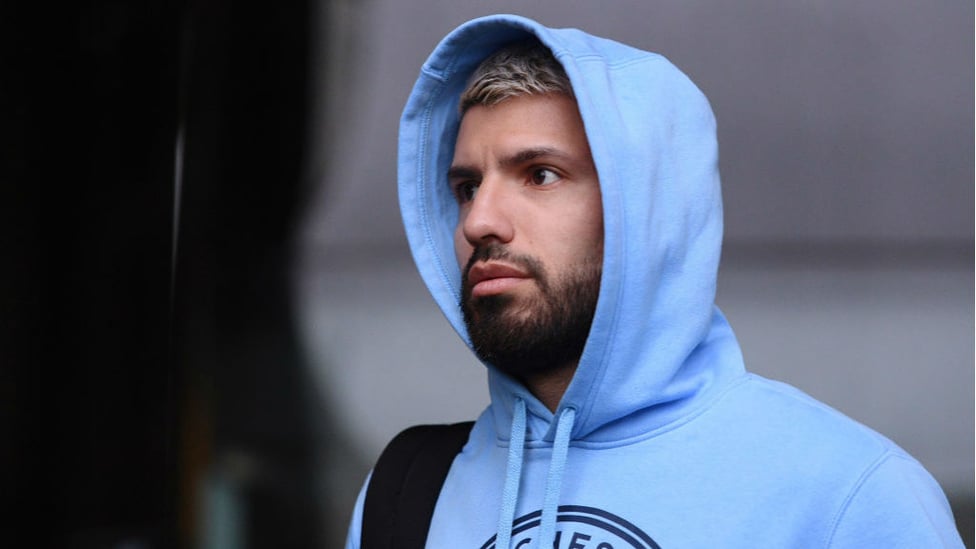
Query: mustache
[532, 266]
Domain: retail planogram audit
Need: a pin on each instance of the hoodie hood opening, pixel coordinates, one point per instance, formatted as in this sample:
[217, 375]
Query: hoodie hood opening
[657, 341]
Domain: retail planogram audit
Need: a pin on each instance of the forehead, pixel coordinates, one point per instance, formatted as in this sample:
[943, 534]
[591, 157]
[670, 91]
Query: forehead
[537, 121]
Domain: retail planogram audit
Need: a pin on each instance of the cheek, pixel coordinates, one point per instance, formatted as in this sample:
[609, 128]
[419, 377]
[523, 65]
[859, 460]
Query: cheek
[597, 234]
[586, 226]
[595, 221]
[462, 249]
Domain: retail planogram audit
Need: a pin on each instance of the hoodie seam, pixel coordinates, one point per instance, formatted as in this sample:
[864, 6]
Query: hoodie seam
[435, 74]
[673, 425]
[610, 171]
[662, 430]
[855, 491]
[614, 65]
[443, 77]
[422, 169]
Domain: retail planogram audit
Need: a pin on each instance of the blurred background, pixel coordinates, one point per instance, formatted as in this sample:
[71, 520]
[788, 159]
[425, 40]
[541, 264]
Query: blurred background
[212, 324]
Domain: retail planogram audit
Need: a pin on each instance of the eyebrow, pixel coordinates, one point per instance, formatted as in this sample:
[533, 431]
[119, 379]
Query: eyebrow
[462, 172]
[528, 155]
[519, 157]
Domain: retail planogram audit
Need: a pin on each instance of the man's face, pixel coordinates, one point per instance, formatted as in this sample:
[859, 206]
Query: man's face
[529, 239]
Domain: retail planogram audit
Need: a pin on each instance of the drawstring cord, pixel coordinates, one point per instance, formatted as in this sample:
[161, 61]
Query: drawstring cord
[554, 483]
[513, 475]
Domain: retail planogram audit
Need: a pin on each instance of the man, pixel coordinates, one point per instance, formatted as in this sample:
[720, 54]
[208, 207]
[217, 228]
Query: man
[561, 197]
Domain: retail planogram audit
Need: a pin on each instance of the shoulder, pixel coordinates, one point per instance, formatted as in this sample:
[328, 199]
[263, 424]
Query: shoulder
[786, 440]
[778, 409]
[872, 491]
[895, 503]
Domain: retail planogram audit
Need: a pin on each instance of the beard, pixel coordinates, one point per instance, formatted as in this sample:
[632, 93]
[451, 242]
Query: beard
[538, 334]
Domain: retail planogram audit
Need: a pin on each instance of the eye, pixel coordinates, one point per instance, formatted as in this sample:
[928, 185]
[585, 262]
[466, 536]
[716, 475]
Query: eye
[464, 191]
[544, 176]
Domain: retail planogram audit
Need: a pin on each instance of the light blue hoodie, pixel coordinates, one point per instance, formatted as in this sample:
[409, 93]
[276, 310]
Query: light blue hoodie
[662, 439]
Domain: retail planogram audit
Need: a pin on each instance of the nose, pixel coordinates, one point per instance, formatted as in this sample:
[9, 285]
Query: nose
[489, 215]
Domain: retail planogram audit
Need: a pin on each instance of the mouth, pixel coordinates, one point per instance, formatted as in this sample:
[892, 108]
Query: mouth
[494, 278]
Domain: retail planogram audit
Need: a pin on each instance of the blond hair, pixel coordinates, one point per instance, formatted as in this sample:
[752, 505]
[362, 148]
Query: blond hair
[523, 68]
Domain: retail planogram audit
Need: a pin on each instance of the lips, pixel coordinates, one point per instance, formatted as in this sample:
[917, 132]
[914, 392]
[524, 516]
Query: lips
[492, 278]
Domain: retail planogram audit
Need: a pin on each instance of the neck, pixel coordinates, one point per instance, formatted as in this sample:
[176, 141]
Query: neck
[550, 386]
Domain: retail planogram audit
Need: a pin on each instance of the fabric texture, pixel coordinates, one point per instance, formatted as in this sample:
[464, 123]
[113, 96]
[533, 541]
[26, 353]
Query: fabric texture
[662, 439]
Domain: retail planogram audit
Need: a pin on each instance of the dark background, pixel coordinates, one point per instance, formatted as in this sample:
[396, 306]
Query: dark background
[151, 154]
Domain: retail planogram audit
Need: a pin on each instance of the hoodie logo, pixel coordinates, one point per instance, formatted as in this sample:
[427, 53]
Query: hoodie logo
[579, 527]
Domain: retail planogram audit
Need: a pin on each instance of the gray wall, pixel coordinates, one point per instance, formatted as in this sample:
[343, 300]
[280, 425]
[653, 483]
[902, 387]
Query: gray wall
[846, 136]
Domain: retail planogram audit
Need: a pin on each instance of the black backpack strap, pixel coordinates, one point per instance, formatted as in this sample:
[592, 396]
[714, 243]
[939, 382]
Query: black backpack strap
[406, 483]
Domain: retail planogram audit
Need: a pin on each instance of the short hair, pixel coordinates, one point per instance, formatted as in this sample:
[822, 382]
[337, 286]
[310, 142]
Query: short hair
[523, 68]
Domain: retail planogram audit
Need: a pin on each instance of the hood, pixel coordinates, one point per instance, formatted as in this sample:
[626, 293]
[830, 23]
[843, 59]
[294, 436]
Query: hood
[658, 348]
